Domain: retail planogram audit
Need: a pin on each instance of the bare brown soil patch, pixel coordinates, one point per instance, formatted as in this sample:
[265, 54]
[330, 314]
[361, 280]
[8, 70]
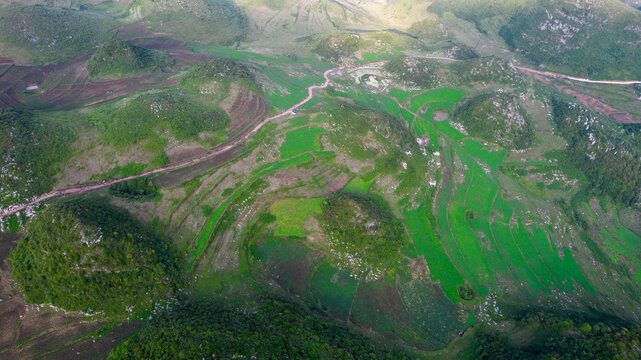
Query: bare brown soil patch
[440, 116]
[593, 103]
[187, 173]
[10, 313]
[597, 105]
[6, 243]
[68, 85]
[184, 151]
[247, 111]
[51, 341]
[37, 323]
[94, 348]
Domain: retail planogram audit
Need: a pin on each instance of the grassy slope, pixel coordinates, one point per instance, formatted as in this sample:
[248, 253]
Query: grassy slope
[51, 35]
[218, 22]
[119, 57]
[560, 34]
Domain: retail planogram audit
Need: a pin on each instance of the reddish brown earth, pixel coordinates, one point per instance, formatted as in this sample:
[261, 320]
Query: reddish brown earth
[247, 111]
[67, 84]
[596, 104]
[189, 162]
[591, 102]
[179, 176]
[6, 60]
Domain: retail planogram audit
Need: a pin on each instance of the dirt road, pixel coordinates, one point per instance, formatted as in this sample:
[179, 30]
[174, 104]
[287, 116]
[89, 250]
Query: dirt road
[215, 151]
[218, 150]
[574, 78]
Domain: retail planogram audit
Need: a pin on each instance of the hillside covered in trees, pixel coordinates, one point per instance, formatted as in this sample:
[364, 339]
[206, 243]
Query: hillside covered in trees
[86, 255]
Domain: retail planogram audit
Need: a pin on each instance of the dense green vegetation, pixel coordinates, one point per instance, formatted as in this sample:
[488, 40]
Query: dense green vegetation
[120, 57]
[499, 118]
[148, 114]
[140, 189]
[362, 232]
[551, 337]
[220, 70]
[571, 38]
[270, 329]
[608, 158]
[387, 140]
[387, 303]
[414, 72]
[465, 292]
[52, 34]
[30, 149]
[408, 211]
[89, 256]
[560, 33]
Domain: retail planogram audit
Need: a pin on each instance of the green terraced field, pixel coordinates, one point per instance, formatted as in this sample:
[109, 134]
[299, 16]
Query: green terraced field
[358, 184]
[300, 140]
[213, 219]
[458, 207]
[402, 95]
[428, 245]
[443, 95]
[468, 245]
[291, 214]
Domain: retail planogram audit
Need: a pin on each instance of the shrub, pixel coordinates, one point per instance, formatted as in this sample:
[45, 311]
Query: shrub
[362, 232]
[139, 189]
[497, 117]
[119, 57]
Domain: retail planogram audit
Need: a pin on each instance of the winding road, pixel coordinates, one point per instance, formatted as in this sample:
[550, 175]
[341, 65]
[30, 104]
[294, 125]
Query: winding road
[215, 151]
[573, 78]
[225, 147]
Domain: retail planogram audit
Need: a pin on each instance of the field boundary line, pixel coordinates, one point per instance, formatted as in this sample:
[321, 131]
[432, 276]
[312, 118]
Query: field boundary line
[12, 209]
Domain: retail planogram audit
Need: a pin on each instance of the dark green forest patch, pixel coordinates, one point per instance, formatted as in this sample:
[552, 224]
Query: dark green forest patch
[30, 150]
[499, 118]
[140, 189]
[269, 329]
[545, 336]
[607, 157]
[362, 232]
[85, 255]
